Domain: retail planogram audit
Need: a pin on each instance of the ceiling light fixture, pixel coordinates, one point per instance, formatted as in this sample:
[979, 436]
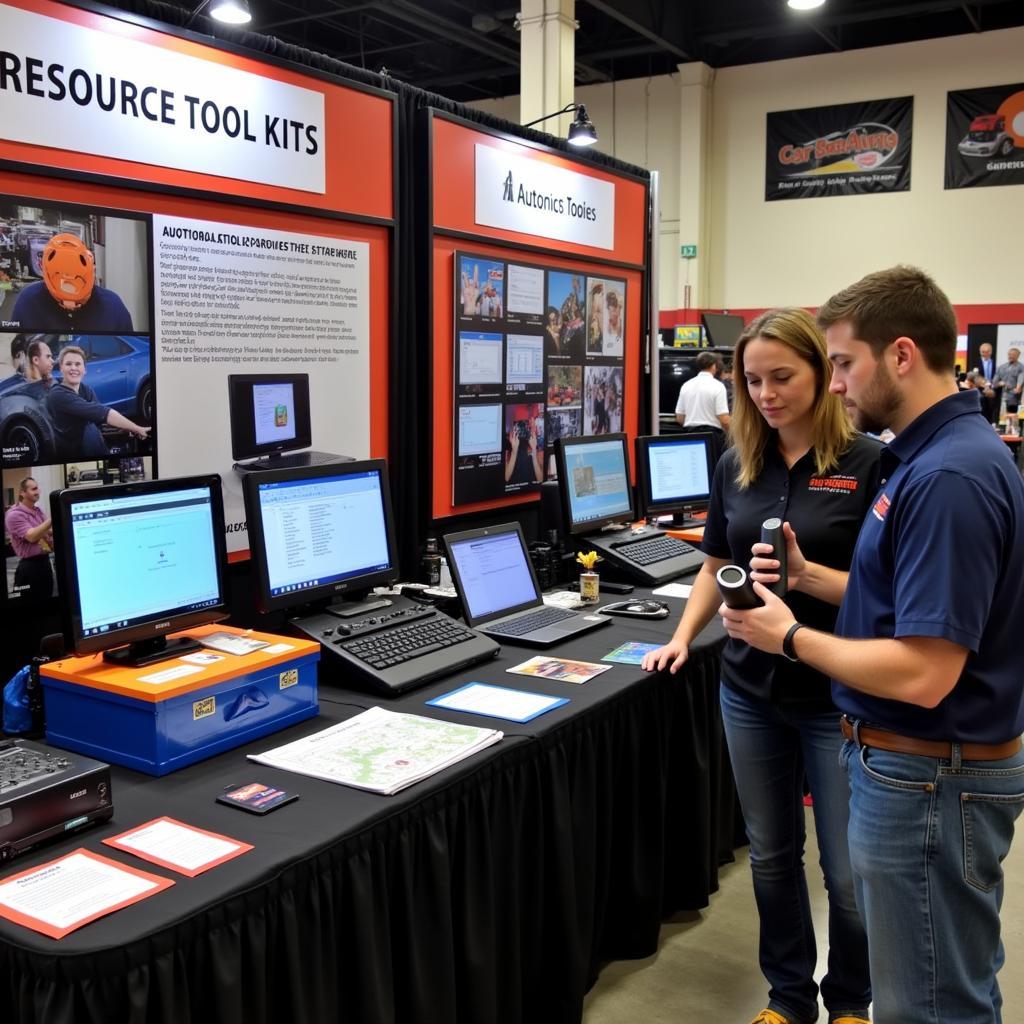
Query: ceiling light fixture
[229, 12]
[805, 5]
[581, 132]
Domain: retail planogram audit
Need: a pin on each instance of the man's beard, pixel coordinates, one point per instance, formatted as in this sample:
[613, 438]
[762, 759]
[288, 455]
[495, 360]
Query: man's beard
[879, 404]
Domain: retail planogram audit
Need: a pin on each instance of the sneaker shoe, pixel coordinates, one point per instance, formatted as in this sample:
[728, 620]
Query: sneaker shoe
[771, 1017]
[850, 1018]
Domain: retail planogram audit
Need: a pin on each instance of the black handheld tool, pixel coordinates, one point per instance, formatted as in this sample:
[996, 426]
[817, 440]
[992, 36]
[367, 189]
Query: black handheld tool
[772, 533]
[736, 588]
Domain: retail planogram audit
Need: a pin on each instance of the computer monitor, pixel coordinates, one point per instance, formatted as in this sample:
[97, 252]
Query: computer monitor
[674, 473]
[138, 561]
[269, 414]
[319, 533]
[722, 329]
[593, 474]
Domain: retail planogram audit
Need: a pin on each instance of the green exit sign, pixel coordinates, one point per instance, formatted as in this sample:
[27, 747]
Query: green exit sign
[688, 252]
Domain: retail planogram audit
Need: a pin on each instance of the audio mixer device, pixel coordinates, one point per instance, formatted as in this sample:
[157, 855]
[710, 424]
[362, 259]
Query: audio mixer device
[47, 793]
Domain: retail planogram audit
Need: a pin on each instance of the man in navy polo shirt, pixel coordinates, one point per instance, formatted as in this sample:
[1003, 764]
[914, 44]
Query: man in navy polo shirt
[925, 658]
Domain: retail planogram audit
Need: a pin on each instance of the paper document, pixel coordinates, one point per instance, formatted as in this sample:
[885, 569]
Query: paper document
[231, 644]
[180, 847]
[167, 674]
[380, 751]
[498, 702]
[673, 590]
[65, 894]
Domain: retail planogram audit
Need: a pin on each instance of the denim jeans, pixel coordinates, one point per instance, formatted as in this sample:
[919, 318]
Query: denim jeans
[771, 748]
[927, 842]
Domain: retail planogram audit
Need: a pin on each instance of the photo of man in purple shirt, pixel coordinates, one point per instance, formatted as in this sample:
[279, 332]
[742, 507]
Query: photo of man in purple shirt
[31, 534]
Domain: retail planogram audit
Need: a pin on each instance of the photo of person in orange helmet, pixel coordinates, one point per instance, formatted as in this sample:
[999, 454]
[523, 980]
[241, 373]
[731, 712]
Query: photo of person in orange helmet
[68, 297]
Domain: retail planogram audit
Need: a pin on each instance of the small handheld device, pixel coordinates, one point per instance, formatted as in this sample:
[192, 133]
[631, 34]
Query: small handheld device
[641, 609]
[772, 533]
[606, 587]
[736, 588]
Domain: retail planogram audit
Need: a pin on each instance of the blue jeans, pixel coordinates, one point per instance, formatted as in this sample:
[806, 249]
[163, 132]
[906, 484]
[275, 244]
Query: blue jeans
[771, 748]
[927, 842]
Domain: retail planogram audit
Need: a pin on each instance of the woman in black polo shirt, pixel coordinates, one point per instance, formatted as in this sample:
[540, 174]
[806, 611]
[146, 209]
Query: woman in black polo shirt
[796, 456]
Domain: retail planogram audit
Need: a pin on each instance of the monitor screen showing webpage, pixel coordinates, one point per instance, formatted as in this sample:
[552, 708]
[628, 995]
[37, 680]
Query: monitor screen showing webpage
[319, 528]
[594, 475]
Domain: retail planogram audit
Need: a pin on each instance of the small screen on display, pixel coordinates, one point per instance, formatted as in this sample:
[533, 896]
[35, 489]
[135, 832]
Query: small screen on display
[273, 408]
[678, 470]
[597, 482]
[320, 531]
[494, 573]
[139, 558]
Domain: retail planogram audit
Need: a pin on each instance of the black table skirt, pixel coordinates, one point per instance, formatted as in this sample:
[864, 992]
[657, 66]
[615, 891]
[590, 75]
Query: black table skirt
[491, 893]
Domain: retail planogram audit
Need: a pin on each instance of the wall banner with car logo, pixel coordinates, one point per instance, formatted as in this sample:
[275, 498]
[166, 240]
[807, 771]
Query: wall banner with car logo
[985, 136]
[842, 150]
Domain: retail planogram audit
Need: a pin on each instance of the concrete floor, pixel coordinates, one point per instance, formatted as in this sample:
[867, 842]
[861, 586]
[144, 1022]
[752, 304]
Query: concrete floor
[706, 964]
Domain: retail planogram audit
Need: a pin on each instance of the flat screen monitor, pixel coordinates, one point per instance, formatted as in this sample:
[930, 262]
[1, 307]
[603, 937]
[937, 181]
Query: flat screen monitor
[269, 413]
[593, 474]
[320, 532]
[722, 329]
[674, 473]
[138, 561]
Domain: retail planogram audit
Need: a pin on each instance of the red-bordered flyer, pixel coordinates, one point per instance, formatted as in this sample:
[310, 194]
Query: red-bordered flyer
[59, 897]
[178, 847]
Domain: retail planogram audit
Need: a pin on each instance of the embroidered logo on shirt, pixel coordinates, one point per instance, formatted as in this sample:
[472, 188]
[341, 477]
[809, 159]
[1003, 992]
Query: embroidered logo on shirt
[881, 508]
[833, 484]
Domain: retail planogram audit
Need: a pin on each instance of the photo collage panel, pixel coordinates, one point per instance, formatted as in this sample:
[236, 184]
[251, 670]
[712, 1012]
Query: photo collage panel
[539, 355]
[76, 366]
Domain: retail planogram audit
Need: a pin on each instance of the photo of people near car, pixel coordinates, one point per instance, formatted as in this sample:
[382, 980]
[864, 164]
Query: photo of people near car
[549, 365]
[76, 361]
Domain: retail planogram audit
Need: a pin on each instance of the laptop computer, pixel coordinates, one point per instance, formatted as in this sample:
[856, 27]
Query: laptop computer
[498, 589]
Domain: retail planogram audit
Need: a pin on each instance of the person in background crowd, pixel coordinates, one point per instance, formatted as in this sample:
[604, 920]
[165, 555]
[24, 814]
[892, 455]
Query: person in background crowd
[31, 534]
[986, 371]
[925, 663]
[791, 438]
[1008, 380]
[39, 363]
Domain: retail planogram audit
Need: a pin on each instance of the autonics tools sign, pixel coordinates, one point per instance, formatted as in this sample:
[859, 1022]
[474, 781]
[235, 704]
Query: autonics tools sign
[849, 149]
[985, 137]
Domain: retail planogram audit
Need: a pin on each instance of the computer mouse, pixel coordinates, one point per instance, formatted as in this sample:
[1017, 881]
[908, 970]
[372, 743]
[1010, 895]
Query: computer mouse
[643, 609]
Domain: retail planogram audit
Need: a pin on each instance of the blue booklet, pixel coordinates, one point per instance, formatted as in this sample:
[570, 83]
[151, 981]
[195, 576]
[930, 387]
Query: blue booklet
[498, 702]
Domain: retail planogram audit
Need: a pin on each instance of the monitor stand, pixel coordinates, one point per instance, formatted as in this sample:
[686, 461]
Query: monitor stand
[148, 652]
[681, 521]
[289, 460]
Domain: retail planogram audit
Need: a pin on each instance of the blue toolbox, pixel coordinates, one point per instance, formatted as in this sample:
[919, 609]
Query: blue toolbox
[162, 717]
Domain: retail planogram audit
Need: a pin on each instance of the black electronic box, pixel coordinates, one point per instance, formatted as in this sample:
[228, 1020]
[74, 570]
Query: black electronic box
[47, 793]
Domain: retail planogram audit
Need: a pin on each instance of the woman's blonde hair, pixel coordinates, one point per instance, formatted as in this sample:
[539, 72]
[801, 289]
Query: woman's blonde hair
[831, 432]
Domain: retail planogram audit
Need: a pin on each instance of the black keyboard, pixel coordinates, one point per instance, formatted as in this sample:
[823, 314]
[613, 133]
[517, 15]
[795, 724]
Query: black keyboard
[527, 623]
[399, 644]
[393, 649]
[657, 549]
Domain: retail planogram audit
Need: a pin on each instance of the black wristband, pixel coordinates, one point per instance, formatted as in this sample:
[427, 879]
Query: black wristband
[787, 643]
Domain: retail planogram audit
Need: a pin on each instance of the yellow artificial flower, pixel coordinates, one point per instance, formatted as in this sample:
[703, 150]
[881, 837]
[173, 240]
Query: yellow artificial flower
[588, 559]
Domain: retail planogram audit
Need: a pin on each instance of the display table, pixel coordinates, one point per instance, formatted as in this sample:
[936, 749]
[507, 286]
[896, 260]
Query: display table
[492, 892]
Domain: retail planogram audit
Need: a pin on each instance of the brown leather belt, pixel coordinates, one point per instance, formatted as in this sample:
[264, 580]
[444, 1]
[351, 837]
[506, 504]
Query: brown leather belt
[882, 739]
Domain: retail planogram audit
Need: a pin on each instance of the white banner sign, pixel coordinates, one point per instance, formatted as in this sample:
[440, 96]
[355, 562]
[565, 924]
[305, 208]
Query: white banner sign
[75, 88]
[236, 299]
[537, 198]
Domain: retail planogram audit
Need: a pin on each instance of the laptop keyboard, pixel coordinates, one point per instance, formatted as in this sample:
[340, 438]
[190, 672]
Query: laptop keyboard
[546, 616]
[657, 549]
[399, 644]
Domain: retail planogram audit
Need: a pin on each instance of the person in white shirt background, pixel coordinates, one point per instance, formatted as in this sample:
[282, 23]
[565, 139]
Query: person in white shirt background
[703, 403]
